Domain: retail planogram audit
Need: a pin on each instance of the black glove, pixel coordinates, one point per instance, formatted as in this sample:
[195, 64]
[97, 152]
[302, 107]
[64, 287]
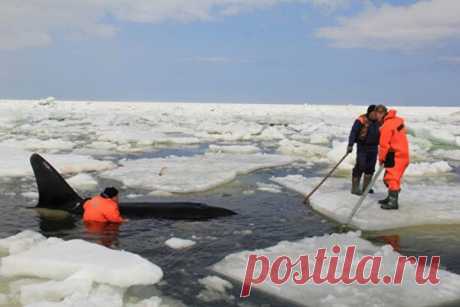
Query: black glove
[389, 160]
[349, 149]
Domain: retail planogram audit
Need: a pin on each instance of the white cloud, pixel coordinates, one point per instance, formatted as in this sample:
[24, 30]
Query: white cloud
[422, 24]
[36, 23]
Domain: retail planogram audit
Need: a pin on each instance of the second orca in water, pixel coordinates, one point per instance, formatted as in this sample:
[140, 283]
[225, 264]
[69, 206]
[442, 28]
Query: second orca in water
[55, 193]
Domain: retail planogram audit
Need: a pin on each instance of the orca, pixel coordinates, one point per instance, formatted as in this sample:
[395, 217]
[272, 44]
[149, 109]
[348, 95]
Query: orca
[55, 193]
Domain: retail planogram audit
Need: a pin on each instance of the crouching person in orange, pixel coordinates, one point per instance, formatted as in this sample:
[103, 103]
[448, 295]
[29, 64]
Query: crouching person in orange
[103, 208]
[393, 154]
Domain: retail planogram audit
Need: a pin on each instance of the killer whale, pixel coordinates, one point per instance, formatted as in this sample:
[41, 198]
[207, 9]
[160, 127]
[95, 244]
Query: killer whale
[55, 193]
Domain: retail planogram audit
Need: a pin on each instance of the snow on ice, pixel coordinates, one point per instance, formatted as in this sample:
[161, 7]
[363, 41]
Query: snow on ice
[215, 289]
[408, 294]
[82, 181]
[178, 243]
[15, 163]
[420, 204]
[72, 273]
[191, 174]
[238, 149]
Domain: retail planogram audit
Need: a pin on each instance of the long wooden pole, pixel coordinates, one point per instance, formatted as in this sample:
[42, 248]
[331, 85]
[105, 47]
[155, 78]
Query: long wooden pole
[307, 198]
[363, 197]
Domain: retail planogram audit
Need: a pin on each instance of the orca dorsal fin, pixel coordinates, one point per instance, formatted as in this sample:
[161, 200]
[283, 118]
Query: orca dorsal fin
[53, 191]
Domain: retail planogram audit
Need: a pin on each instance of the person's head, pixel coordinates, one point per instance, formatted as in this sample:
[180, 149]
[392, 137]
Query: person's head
[380, 112]
[371, 112]
[110, 193]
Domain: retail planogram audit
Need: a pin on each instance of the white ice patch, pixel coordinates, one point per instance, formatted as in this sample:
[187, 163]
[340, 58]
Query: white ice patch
[30, 195]
[408, 294]
[426, 168]
[215, 289]
[20, 242]
[235, 131]
[82, 182]
[243, 149]
[15, 163]
[178, 243]
[57, 259]
[338, 151]
[419, 204]
[305, 150]
[143, 138]
[191, 174]
[318, 138]
[267, 187]
[453, 154]
[154, 301]
[33, 144]
[433, 132]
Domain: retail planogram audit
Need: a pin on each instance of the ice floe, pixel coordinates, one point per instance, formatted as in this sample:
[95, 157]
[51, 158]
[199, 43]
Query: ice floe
[267, 187]
[408, 294]
[215, 289]
[32, 144]
[191, 174]
[426, 168]
[82, 182]
[20, 242]
[305, 150]
[239, 149]
[52, 272]
[453, 154]
[15, 163]
[57, 259]
[420, 204]
[178, 243]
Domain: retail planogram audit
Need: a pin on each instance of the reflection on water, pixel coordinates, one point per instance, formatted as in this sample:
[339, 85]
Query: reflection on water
[102, 233]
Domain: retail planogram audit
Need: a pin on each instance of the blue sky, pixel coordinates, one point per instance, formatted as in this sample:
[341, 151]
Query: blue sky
[315, 51]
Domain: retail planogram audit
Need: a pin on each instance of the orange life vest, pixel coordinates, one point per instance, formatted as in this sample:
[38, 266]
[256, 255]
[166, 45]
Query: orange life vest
[365, 128]
[100, 209]
[393, 137]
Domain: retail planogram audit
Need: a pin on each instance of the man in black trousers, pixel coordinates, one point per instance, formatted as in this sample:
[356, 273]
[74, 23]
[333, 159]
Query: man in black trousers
[366, 133]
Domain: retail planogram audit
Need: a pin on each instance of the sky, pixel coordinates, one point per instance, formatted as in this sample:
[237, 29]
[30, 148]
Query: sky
[399, 52]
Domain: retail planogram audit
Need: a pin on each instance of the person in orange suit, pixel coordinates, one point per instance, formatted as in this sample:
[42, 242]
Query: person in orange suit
[103, 208]
[393, 154]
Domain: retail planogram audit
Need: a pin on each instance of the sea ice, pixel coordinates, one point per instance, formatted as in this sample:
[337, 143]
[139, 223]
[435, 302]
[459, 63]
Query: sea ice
[305, 150]
[33, 144]
[191, 174]
[243, 149]
[82, 182]
[15, 163]
[267, 187]
[178, 243]
[338, 151]
[215, 289]
[420, 204]
[426, 168]
[453, 154]
[57, 259]
[408, 294]
[20, 242]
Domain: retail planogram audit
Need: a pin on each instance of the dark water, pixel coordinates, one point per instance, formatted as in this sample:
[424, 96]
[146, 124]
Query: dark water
[263, 220]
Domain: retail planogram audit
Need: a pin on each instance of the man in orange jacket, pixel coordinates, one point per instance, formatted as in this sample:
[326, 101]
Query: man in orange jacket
[103, 208]
[393, 154]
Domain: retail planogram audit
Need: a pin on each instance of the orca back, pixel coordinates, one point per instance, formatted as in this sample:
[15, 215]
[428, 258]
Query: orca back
[54, 192]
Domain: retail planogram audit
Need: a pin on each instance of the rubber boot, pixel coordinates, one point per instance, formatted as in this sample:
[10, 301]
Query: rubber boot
[392, 202]
[367, 181]
[386, 200]
[355, 181]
